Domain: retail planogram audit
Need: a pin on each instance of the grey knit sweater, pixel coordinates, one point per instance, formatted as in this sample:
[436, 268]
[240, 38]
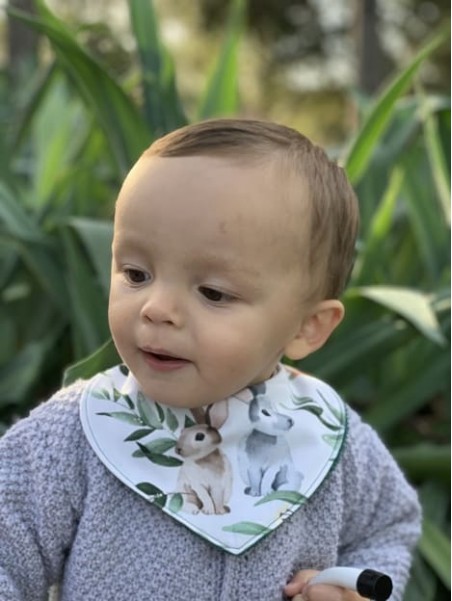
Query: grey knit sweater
[64, 518]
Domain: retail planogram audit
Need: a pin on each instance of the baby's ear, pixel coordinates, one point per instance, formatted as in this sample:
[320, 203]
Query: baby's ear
[316, 328]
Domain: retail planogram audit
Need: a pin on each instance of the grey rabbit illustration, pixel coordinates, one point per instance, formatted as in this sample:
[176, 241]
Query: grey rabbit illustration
[205, 478]
[265, 460]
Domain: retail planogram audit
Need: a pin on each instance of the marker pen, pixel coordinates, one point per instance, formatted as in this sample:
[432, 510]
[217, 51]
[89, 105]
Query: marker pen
[368, 583]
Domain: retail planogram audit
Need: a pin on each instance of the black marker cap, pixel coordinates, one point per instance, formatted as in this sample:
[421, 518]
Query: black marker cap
[374, 585]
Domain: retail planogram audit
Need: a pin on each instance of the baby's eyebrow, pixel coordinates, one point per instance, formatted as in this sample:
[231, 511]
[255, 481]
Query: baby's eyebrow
[123, 243]
[208, 262]
[229, 265]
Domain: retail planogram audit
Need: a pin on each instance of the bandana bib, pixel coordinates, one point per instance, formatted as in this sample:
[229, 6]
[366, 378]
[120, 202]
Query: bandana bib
[231, 472]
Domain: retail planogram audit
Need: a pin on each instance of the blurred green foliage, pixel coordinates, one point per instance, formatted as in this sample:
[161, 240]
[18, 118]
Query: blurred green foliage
[69, 135]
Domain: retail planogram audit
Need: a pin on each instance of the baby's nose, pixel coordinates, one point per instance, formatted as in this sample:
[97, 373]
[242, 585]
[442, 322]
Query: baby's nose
[162, 306]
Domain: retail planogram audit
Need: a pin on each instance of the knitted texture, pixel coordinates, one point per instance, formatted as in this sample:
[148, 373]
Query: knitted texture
[64, 518]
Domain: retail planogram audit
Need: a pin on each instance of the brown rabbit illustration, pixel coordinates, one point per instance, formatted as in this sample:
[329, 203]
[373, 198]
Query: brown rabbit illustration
[205, 478]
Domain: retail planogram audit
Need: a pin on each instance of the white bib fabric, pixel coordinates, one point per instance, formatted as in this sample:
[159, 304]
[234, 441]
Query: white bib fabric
[231, 472]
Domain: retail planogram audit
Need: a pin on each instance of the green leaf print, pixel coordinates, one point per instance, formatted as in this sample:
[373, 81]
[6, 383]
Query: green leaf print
[140, 433]
[300, 401]
[124, 369]
[176, 502]
[149, 489]
[129, 401]
[103, 394]
[158, 458]
[148, 413]
[161, 445]
[158, 496]
[123, 416]
[290, 496]
[171, 420]
[339, 415]
[318, 411]
[189, 422]
[161, 413]
[250, 528]
[332, 439]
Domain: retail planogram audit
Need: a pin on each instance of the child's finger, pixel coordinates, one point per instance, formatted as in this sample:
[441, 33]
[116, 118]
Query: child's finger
[328, 592]
[298, 583]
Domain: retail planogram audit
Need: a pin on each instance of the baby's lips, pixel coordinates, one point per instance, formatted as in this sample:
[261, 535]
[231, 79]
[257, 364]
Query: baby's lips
[162, 354]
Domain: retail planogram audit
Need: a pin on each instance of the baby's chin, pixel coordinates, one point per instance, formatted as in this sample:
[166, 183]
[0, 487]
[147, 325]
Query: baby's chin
[179, 400]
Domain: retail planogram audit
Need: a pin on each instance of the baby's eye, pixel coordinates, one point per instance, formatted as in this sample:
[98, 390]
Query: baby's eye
[213, 295]
[135, 276]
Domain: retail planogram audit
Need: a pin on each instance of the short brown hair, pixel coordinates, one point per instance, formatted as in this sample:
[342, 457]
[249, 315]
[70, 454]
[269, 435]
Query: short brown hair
[334, 208]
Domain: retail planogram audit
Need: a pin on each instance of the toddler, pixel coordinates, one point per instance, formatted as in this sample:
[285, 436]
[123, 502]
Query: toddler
[202, 468]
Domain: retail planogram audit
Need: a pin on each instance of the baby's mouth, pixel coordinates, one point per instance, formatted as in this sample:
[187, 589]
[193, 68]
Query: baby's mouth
[162, 359]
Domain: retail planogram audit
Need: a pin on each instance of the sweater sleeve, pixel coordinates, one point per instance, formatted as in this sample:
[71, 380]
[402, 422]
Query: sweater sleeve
[39, 494]
[382, 518]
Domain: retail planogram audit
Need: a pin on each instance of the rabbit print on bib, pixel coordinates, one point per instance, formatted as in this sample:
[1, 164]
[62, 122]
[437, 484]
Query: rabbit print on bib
[231, 472]
[204, 479]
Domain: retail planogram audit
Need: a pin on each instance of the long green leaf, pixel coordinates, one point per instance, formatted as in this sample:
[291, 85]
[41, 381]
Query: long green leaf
[435, 502]
[104, 357]
[20, 373]
[162, 104]
[362, 345]
[43, 266]
[25, 116]
[23, 371]
[88, 306]
[422, 461]
[370, 258]
[221, 96]
[59, 130]
[429, 229]
[411, 397]
[15, 220]
[423, 583]
[96, 236]
[437, 159]
[361, 150]
[413, 305]
[121, 122]
[435, 548]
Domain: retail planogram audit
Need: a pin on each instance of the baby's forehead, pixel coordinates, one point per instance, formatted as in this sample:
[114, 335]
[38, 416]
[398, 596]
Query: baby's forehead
[259, 198]
[268, 181]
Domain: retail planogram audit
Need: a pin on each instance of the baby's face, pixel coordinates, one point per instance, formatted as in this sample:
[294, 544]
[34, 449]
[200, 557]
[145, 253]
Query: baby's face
[206, 281]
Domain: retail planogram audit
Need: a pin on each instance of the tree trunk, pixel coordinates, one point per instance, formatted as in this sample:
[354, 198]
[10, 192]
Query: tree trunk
[373, 63]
